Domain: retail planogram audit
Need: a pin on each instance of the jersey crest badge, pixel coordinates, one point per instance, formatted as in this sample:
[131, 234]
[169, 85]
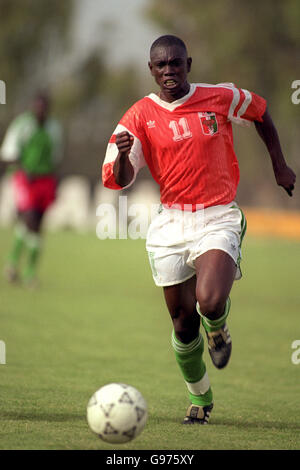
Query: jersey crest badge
[209, 123]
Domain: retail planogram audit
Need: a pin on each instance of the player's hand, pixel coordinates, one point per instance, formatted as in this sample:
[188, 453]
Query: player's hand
[286, 178]
[124, 142]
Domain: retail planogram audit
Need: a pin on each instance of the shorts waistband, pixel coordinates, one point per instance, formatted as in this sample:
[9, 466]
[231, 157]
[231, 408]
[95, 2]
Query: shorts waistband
[194, 208]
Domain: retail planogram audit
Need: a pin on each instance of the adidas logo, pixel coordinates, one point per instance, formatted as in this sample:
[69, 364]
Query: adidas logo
[150, 124]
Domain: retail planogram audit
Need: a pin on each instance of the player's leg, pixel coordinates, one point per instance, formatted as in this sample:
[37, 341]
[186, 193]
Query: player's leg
[215, 271]
[43, 191]
[22, 196]
[32, 220]
[14, 256]
[188, 346]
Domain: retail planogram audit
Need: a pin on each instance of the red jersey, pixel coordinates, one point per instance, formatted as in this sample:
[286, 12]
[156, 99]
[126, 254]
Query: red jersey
[187, 144]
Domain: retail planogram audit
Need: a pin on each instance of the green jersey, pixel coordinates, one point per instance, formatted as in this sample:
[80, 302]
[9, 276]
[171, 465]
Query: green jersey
[36, 148]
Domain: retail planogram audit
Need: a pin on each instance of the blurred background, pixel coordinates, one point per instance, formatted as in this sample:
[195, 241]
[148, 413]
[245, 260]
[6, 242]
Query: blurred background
[92, 57]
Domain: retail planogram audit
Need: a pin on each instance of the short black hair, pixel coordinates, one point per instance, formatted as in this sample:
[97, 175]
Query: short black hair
[166, 41]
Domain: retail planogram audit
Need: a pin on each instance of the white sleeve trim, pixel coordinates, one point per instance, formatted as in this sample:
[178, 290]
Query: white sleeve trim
[246, 103]
[20, 129]
[136, 155]
[235, 101]
[10, 148]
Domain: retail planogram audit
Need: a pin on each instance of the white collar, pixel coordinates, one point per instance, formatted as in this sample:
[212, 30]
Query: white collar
[172, 106]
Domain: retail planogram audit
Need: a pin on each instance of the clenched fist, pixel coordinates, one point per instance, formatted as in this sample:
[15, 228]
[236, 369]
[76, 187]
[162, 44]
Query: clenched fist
[124, 142]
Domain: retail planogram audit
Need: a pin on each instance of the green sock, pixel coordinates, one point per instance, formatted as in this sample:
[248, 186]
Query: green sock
[214, 325]
[18, 245]
[190, 361]
[33, 242]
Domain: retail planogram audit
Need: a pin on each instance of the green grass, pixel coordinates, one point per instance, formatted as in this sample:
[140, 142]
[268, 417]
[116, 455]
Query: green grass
[97, 318]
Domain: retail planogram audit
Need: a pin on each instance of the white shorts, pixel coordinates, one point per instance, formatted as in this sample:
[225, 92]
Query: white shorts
[176, 238]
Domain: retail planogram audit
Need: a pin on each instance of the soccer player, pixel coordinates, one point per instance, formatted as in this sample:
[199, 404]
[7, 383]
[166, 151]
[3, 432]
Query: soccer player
[184, 135]
[33, 144]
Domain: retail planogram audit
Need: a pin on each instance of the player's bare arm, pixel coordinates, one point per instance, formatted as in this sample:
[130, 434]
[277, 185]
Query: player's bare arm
[284, 175]
[123, 170]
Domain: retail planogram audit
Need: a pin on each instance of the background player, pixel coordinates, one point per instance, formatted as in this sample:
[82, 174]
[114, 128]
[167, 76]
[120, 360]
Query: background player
[33, 142]
[184, 135]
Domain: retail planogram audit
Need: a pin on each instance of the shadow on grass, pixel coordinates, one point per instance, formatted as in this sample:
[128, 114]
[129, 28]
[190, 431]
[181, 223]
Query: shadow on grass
[53, 417]
[282, 426]
[63, 417]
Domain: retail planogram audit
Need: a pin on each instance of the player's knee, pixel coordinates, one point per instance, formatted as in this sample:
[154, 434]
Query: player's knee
[211, 304]
[186, 324]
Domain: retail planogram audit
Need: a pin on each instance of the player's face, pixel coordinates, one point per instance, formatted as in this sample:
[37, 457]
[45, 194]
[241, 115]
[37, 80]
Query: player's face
[41, 109]
[170, 66]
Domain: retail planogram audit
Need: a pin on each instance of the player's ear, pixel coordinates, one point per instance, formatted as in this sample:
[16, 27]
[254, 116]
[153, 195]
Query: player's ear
[189, 64]
[150, 67]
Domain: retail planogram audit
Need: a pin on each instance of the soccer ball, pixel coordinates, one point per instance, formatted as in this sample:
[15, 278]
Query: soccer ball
[117, 413]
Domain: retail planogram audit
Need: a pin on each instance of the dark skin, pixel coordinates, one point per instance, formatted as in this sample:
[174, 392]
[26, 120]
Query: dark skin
[33, 218]
[215, 269]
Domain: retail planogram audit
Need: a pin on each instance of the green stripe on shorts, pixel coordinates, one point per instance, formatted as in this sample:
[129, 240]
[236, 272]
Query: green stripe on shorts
[151, 259]
[243, 231]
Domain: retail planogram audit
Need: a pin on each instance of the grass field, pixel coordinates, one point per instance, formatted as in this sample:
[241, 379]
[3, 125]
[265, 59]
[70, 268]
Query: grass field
[97, 318]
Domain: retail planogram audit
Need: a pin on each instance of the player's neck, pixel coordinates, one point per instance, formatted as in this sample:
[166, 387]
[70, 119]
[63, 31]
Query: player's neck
[40, 120]
[169, 95]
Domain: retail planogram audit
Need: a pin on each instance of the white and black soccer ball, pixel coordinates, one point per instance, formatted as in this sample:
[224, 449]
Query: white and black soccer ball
[117, 413]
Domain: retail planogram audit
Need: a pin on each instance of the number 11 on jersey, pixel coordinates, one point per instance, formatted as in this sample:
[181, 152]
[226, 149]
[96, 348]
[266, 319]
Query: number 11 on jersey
[180, 129]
